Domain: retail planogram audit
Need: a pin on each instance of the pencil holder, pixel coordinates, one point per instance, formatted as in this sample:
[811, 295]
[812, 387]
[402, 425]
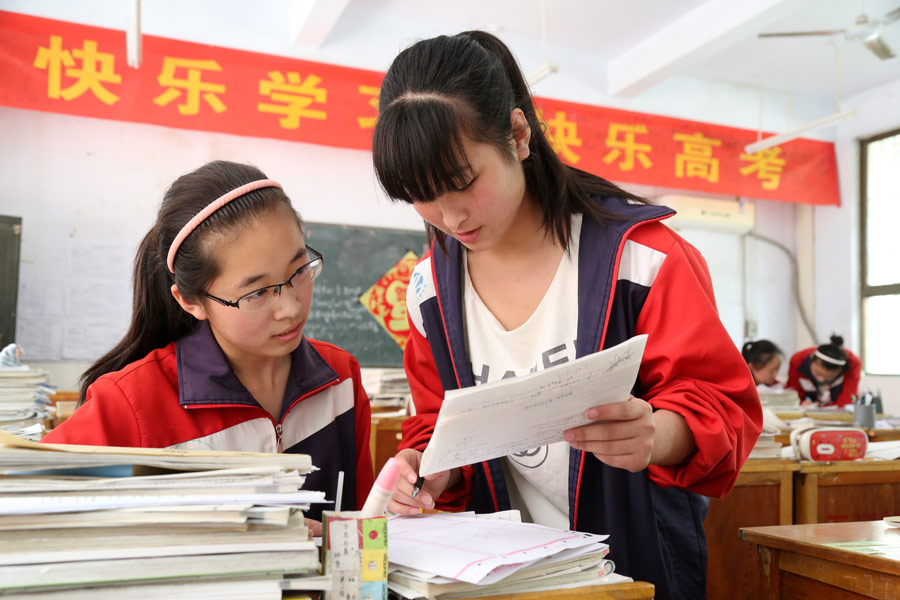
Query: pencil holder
[354, 553]
[864, 415]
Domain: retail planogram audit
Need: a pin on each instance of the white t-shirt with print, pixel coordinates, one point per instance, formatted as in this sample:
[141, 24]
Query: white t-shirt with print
[538, 476]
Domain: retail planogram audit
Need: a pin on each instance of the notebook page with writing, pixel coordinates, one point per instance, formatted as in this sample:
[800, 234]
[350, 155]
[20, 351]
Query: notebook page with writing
[501, 418]
[471, 549]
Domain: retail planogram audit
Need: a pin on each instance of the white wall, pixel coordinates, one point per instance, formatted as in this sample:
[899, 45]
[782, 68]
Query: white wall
[837, 230]
[87, 190]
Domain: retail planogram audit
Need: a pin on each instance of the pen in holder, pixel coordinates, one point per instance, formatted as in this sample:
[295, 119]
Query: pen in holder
[354, 553]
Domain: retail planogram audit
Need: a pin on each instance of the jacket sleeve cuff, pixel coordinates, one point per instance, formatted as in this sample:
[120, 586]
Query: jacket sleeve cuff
[713, 468]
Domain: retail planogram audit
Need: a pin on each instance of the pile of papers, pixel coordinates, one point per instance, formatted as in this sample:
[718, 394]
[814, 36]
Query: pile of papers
[461, 555]
[766, 446]
[388, 389]
[24, 401]
[88, 521]
[780, 401]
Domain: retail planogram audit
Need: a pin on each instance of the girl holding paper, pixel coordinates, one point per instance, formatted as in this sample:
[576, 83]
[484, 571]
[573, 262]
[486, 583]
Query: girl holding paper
[535, 263]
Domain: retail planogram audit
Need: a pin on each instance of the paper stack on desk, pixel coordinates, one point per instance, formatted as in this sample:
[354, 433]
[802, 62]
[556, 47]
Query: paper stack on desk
[223, 517]
[388, 389]
[447, 555]
[24, 401]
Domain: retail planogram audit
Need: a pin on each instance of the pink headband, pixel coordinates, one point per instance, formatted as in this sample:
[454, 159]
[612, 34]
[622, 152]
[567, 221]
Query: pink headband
[210, 209]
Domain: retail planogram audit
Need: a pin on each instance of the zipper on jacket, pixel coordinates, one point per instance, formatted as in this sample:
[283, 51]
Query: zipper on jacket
[278, 430]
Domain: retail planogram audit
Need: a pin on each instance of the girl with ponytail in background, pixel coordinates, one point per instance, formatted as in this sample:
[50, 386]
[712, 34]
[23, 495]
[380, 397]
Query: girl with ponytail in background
[825, 375]
[764, 359]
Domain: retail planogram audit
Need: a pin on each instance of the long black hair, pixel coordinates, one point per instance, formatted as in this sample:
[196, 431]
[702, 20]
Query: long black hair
[156, 318]
[444, 89]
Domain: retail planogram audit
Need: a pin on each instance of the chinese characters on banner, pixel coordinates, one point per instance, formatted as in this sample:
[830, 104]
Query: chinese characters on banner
[63, 67]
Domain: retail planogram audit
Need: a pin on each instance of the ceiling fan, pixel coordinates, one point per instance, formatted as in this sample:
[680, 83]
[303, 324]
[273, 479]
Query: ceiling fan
[865, 31]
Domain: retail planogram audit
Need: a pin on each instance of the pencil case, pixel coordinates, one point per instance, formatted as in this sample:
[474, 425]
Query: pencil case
[829, 443]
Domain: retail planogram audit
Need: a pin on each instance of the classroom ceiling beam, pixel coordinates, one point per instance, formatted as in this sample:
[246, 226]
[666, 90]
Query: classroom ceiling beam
[709, 28]
[312, 20]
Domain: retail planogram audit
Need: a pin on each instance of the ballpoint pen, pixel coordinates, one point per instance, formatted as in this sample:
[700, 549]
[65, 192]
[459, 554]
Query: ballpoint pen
[417, 486]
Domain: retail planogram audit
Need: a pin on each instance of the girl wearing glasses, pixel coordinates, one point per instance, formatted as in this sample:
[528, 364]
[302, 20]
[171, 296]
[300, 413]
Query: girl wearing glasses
[536, 263]
[215, 356]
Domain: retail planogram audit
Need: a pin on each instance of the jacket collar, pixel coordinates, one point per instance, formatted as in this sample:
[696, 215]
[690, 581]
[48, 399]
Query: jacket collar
[205, 378]
[599, 248]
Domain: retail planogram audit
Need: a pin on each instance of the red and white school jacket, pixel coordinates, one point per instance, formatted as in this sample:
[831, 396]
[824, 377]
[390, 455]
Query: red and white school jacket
[842, 388]
[635, 276]
[186, 395]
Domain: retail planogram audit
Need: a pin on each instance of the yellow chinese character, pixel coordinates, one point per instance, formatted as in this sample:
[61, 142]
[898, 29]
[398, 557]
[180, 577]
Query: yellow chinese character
[369, 90]
[697, 157]
[563, 135]
[89, 77]
[768, 166]
[295, 95]
[627, 147]
[192, 84]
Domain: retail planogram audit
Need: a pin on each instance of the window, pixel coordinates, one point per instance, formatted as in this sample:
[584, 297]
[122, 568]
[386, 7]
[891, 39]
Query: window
[880, 252]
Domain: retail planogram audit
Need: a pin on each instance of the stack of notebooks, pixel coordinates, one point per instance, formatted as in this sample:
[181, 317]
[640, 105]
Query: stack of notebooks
[766, 446]
[388, 389]
[445, 556]
[94, 522]
[24, 401]
[784, 403]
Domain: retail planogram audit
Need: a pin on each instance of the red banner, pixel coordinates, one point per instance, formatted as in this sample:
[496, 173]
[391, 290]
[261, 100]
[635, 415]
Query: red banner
[56, 66]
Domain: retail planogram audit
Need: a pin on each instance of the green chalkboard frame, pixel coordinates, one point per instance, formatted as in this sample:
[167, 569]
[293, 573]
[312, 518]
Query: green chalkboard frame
[355, 258]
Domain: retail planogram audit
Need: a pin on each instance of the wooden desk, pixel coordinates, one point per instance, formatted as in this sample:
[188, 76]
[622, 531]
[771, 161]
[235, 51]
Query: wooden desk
[763, 495]
[64, 402]
[795, 561]
[384, 437]
[615, 591]
[829, 492]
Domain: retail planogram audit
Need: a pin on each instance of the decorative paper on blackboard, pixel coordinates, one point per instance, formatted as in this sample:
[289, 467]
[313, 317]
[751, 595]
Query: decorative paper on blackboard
[386, 299]
[355, 258]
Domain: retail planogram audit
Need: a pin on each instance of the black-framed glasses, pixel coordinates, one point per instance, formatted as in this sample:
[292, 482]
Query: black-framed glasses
[264, 297]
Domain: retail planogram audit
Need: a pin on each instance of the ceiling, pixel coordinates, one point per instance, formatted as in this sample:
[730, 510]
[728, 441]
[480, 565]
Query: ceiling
[620, 48]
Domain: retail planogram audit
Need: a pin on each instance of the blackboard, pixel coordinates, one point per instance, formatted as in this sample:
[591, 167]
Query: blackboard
[356, 258]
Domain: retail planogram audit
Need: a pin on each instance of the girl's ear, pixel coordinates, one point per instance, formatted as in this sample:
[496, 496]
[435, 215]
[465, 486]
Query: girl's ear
[521, 133]
[195, 309]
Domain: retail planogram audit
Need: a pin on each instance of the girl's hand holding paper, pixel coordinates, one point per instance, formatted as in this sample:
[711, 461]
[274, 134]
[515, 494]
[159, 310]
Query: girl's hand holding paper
[629, 435]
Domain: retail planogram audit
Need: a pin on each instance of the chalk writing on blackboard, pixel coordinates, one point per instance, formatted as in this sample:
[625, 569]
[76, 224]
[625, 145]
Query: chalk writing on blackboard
[355, 258]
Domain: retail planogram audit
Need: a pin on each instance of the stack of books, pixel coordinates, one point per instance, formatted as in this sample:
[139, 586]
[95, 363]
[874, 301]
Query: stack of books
[388, 389]
[90, 522]
[445, 556]
[784, 403]
[766, 446]
[24, 401]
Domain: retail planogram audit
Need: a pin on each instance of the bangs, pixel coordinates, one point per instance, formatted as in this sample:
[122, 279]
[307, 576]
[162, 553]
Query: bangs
[417, 149]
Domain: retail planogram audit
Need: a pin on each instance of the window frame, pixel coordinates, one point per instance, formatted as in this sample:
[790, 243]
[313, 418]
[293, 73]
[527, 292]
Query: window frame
[867, 291]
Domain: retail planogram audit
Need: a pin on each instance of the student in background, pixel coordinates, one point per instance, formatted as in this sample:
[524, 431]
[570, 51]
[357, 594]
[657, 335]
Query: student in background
[536, 263]
[764, 359]
[215, 356]
[827, 375]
